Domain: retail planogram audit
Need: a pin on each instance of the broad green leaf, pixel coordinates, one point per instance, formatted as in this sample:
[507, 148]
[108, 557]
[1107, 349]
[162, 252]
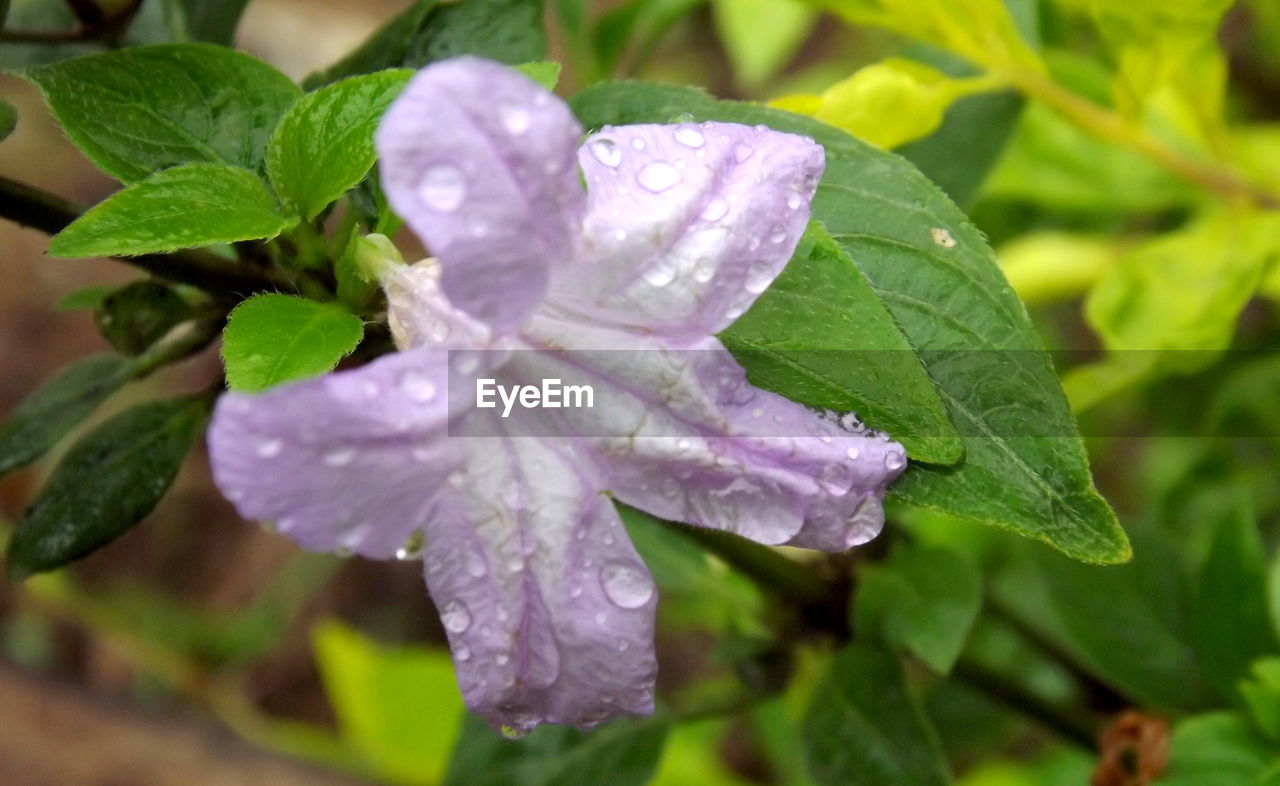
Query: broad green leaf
[939, 280]
[544, 72]
[636, 26]
[58, 406]
[324, 143]
[509, 31]
[272, 339]
[214, 22]
[136, 111]
[983, 31]
[8, 119]
[85, 299]
[888, 103]
[865, 728]
[621, 753]
[137, 315]
[1261, 694]
[183, 207]
[922, 600]
[1220, 749]
[398, 707]
[107, 482]
[820, 336]
[1230, 617]
[1133, 622]
[760, 36]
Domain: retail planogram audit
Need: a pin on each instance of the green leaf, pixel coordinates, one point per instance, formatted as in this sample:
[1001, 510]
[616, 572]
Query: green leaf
[621, 753]
[1219, 749]
[865, 728]
[58, 406]
[85, 299]
[214, 22]
[381, 696]
[106, 483]
[1262, 696]
[922, 600]
[183, 207]
[136, 111]
[1230, 617]
[637, 25]
[544, 72]
[1132, 622]
[509, 31]
[820, 336]
[939, 280]
[272, 339]
[324, 144]
[760, 36]
[8, 119]
[137, 315]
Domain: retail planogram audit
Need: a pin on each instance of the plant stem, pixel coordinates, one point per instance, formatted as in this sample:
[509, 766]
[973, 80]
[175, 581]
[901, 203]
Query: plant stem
[1111, 127]
[996, 686]
[37, 209]
[785, 577]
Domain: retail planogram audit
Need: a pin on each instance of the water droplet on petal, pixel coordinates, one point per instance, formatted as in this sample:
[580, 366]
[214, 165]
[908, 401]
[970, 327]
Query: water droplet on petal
[475, 565]
[515, 564]
[369, 388]
[412, 548]
[716, 209]
[777, 234]
[742, 152]
[467, 363]
[759, 277]
[600, 618]
[794, 201]
[502, 659]
[606, 151]
[455, 617]
[462, 652]
[623, 645]
[660, 273]
[627, 587]
[852, 453]
[637, 143]
[681, 117]
[658, 176]
[442, 188]
[270, 448]
[690, 136]
[339, 457]
[836, 479]
[670, 487]
[753, 244]
[417, 386]
[575, 591]
[704, 269]
[515, 118]
[894, 460]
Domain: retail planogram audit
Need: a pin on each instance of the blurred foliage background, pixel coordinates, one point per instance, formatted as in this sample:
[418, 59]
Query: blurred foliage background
[1123, 158]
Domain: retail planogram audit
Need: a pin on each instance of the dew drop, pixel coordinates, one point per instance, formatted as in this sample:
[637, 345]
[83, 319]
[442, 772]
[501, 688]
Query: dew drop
[794, 201]
[467, 364]
[475, 565]
[759, 277]
[515, 118]
[515, 564]
[412, 548]
[894, 460]
[623, 645]
[600, 618]
[417, 386]
[660, 274]
[704, 269]
[742, 153]
[455, 617]
[606, 151]
[681, 117]
[777, 234]
[690, 136]
[753, 244]
[502, 659]
[462, 652]
[438, 331]
[627, 587]
[658, 176]
[852, 453]
[270, 448]
[836, 479]
[575, 591]
[637, 143]
[442, 188]
[716, 209]
[370, 389]
[608, 540]
[339, 457]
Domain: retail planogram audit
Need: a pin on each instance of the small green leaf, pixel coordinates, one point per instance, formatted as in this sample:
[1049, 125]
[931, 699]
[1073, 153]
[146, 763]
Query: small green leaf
[820, 336]
[137, 315]
[1219, 749]
[85, 299]
[107, 482]
[381, 696]
[760, 36]
[1230, 617]
[57, 406]
[1025, 466]
[621, 753]
[272, 339]
[1261, 694]
[544, 72]
[865, 728]
[8, 119]
[136, 111]
[922, 600]
[183, 207]
[324, 144]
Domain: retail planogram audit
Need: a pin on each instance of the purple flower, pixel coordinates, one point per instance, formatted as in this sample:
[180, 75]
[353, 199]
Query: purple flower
[620, 286]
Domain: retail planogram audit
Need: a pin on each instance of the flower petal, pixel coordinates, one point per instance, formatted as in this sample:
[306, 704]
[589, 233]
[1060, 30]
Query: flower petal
[548, 608]
[687, 224]
[479, 160]
[682, 435]
[351, 460]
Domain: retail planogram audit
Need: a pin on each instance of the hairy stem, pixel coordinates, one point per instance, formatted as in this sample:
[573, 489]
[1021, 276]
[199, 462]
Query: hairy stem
[37, 209]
